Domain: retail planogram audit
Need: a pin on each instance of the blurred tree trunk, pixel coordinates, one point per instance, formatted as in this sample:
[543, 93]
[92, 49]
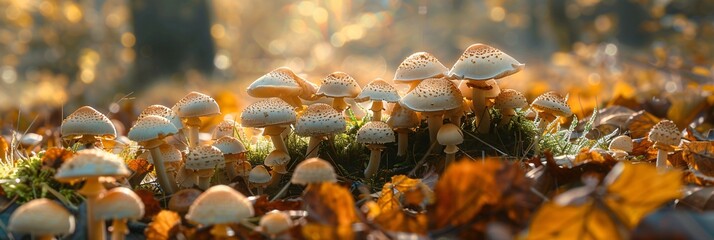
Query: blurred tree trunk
[172, 37]
[564, 28]
[630, 30]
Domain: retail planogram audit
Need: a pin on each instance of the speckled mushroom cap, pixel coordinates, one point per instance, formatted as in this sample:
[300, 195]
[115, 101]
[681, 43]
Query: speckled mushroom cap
[169, 153]
[259, 175]
[87, 121]
[275, 222]
[378, 90]
[320, 119]
[276, 158]
[665, 132]
[181, 201]
[339, 84]
[483, 62]
[450, 134]
[621, 142]
[313, 170]
[509, 99]
[203, 157]
[229, 145]
[403, 118]
[162, 111]
[418, 66]
[433, 95]
[151, 127]
[92, 163]
[553, 103]
[268, 112]
[281, 82]
[196, 104]
[309, 89]
[375, 132]
[220, 204]
[41, 217]
[119, 203]
[224, 128]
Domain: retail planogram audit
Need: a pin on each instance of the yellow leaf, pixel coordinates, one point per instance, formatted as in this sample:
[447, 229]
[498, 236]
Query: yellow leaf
[584, 221]
[314, 231]
[403, 183]
[161, 225]
[387, 200]
[400, 221]
[686, 105]
[4, 148]
[330, 204]
[700, 155]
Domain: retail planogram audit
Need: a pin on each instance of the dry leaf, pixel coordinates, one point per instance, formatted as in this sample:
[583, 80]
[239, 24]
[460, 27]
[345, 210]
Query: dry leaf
[640, 124]
[701, 199]
[54, 157]
[686, 105]
[387, 199]
[151, 205]
[329, 205]
[263, 205]
[160, 227]
[314, 231]
[4, 148]
[700, 155]
[399, 220]
[583, 221]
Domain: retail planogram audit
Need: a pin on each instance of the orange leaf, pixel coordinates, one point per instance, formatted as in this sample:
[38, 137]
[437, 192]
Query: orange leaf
[640, 124]
[330, 204]
[161, 225]
[401, 221]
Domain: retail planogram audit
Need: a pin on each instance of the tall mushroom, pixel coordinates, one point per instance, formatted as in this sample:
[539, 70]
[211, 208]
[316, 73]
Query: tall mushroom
[550, 107]
[273, 114]
[150, 132]
[338, 86]
[172, 158]
[278, 162]
[88, 125]
[375, 135]
[90, 165]
[200, 165]
[432, 97]
[220, 206]
[507, 101]
[313, 171]
[478, 64]
[259, 177]
[403, 121]
[378, 91]
[119, 205]
[450, 135]
[665, 135]
[233, 152]
[417, 67]
[282, 83]
[193, 106]
[318, 122]
[42, 218]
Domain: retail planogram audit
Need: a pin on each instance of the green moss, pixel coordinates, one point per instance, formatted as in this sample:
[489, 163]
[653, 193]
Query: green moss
[29, 180]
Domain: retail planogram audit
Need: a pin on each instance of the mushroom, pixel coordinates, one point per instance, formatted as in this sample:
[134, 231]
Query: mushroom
[42, 218]
[30, 140]
[259, 177]
[282, 83]
[220, 206]
[225, 128]
[273, 114]
[164, 112]
[478, 64]
[150, 132]
[243, 169]
[450, 135]
[550, 107]
[665, 135]
[274, 223]
[417, 67]
[403, 121]
[190, 108]
[432, 97]
[375, 135]
[378, 91]
[119, 205]
[507, 101]
[200, 164]
[183, 199]
[338, 86]
[319, 122]
[490, 90]
[622, 143]
[278, 162]
[172, 158]
[313, 171]
[90, 165]
[87, 124]
[233, 152]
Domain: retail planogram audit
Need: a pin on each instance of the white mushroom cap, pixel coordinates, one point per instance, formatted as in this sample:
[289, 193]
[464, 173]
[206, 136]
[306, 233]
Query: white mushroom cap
[433, 95]
[151, 127]
[169, 153]
[268, 112]
[41, 217]
[313, 170]
[87, 121]
[203, 157]
[483, 62]
[281, 82]
[225, 128]
[375, 132]
[162, 111]
[403, 118]
[92, 163]
[450, 134]
[320, 119]
[339, 84]
[220, 204]
[309, 89]
[276, 158]
[621, 142]
[31, 139]
[229, 145]
[553, 103]
[418, 66]
[378, 90]
[259, 175]
[665, 132]
[119, 203]
[196, 104]
[510, 99]
[275, 222]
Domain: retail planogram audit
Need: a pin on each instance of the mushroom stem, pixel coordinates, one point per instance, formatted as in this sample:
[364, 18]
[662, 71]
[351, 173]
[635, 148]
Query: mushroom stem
[119, 229]
[188, 178]
[204, 178]
[455, 117]
[377, 107]
[339, 104]
[93, 189]
[276, 174]
[375, 156]
[313, 147]
[434, 121]
[661, 159]
[293, 101]
[230, 165]
[507, 114]
[402, 141]
[88, 141]
[275, 133]
[481, 110]
[165, 180]
[193, 125]
[450, 151]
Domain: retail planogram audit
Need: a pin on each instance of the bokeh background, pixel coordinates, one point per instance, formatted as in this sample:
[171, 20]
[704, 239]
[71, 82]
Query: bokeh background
[122, 55]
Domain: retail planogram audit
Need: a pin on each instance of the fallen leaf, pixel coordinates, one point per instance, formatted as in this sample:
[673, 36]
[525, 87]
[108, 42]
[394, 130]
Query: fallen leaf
[640, 124]
[331, 206]
[151, 205]
[54, 157]
[701, 199]
[399, 220]
[161, 225]
[700, 156]
[263, 205]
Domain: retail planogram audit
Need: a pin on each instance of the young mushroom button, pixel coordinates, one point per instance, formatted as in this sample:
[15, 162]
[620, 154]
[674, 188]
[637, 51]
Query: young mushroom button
[375, 135]
[233, 152]
[193, 106]
[259, 177]
[89, 125]
[119, 205]
[378, 91]
[403, 121]
[200, 164]
[220, 206]
[275, 222]
[338, 86]
[450, 135]
[417, 67]
[550, 107]
[313, 171]
[665, 135]
[42, 218]
[318, 122]
[507, 101]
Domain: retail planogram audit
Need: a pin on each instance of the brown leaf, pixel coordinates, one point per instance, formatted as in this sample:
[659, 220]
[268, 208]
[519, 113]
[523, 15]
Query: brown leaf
[699, 200]
[640, 124]
[686, 105]
[263, 205]
[54, 157]
[700, 155]
[402, 221]
[140, 166]
[330, 204]
[151, 205]
[161, 226]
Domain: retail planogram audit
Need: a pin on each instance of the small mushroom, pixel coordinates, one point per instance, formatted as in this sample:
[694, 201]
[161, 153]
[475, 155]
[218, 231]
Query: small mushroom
[278, 162]
[338, 86]
[182, 200]
[375, 135]
[450, 135]
[622, 142]
[507, 101]
[220, 206]
[233, 152]
[432, 97]
[282, 83]
[190, 108]
[274, 223]
[550, 107]
[378, 91]
[319, 121]
[225, 128]
[665, 135]
[313, 171]
[87, 125]
[150, 132]
[172, 158]
[273, 114]
[417, 67]
[42, 218]
[403, 121]
[259, 177]
[200, 165]
[119, 205]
